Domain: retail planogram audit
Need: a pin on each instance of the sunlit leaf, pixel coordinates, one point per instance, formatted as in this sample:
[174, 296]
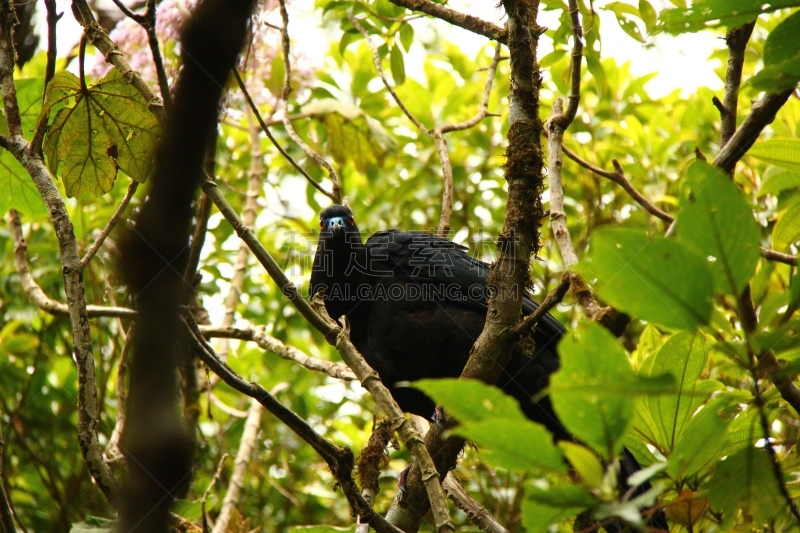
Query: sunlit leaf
[104, 128]
[658, 280]
[710, 13]
[781, 152]
[716, 220]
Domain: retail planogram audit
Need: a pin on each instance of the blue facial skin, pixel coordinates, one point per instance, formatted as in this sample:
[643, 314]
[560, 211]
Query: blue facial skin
[335, 224]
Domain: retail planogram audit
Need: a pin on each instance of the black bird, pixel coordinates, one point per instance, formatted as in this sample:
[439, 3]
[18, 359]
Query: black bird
[416, 303]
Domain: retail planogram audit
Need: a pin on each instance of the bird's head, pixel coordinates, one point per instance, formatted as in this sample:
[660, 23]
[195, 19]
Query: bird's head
[337, 220]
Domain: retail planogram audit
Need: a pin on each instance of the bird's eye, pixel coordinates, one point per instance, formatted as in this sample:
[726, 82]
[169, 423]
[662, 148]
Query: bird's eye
[322, 224]
[352, 220]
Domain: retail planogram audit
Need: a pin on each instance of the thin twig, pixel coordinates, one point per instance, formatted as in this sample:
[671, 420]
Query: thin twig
[575, 73]
[550, 301]
[377, 60]
[441, 145]
[112, 222]
[618, 177]
[37, 294]
[247, 444]
[113, 452]
[214, 480]
[271, 344]
[776, 467]
[477, 513]
[558, 217]
[336, 194]
[50, 70]
[339, 459]
[265, 128]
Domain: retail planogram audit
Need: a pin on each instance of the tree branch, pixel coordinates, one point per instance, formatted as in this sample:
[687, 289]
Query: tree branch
[371, 381]
[247, 445]
[265, 128]
[441, 145]
[271, 344]
[462, 20]
[761, 115]
[99, 38]
[37, 294]
[339, 459]
[736, 40]
[112, 222]
[336, 195]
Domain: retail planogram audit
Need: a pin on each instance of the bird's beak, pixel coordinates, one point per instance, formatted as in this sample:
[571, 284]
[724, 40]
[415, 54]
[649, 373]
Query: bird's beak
[336, 225]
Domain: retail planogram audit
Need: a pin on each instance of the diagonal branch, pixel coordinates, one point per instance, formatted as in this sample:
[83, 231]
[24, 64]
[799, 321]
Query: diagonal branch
[265, 128]
[462, 20]
[336, 195]
[112, 222]
[339, 459]
[270, 343]
[35, 291]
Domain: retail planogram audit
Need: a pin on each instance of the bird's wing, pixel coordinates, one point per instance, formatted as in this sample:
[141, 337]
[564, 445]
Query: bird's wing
[431, 260]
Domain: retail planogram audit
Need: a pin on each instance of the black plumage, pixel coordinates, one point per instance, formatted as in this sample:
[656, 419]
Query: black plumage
[416, 303]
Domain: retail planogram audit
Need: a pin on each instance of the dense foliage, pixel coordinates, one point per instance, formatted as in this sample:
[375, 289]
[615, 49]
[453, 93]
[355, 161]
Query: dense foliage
[688, 387]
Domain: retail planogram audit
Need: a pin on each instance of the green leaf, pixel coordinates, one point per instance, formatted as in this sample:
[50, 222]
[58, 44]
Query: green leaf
[648, 14]
[537, 517]
[712, 13]
[494, 421]
[594, 418]
[518, 445]
[17, 190]
[746, 481]
[787, 229]
[781, 57]
[717, 221]
[398, 65]
[406, 36]
[277, 72]
[684, 357]
[781, 152]
[779, 181]
[702, 441]
[585, 463]
[107, 127]
[657, 280]
[470, 400]
[352, 134]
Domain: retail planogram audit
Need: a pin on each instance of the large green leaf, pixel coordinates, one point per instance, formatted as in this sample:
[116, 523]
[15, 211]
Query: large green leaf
[17, 190]
[543, 508]
[709, 13]
[103, 128]
[717, 221]
[702, 441]
[779, 181]
[781, 152]
[518, 445]
[494, 421]
[684, 357]
[746, 480]
[781, 57]
[657, 280]
[352, 134]
[470, 400]
[787, 229]
[597, 419]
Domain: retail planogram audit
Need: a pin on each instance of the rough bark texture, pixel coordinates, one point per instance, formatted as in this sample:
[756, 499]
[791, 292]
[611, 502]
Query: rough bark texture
[518, 241]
